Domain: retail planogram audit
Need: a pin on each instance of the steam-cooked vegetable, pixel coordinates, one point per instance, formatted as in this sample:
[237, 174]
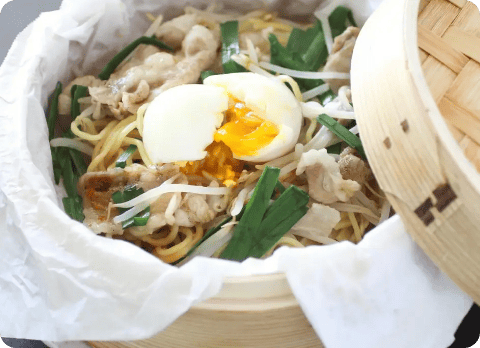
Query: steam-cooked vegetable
[230, 46]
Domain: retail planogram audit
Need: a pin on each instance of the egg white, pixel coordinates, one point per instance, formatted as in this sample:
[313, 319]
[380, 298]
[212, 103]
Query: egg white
[270, 100]
[181, 122]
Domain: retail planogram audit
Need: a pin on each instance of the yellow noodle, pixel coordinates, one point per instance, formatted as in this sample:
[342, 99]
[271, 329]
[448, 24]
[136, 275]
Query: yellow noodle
[112, 137]
[120, 136]
[306, 242]
[258, 24]
[356, 228]
[140, 114]
[293, 84]
[178, 247]
[101, 123]
[159, 242]
[344, 235]
[172, 257]
[342, 224]
[197, 236]
[117, 155]
[88, 126]
[373, 191]
[91, 137]
[363, 225]
[141, 150]
[311, 130]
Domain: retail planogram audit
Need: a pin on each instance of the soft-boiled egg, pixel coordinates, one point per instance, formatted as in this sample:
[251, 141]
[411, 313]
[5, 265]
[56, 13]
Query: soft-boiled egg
[244, 116]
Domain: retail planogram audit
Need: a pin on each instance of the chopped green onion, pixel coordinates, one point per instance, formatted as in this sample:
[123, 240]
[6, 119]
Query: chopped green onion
[306, 50]
[268, 240]
[122, 159]
[206, 74]
[327, 97]
[142, 218]
[68, 176]
[57, 168]
[291, 199]
[78, 161]
[129, 193]
[73, 207]
[338, 20]
[278, 219]
[230, 46]
[120, 56]
[68, 164]
[255, 209]
[51, 121]
[77, 92]
[343, 133]
[315, 55]
[335, 149]
[53, 111]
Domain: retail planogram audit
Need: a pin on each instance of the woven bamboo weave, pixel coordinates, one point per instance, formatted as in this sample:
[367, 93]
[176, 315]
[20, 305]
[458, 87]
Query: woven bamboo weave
[449, 42]
[412, 90]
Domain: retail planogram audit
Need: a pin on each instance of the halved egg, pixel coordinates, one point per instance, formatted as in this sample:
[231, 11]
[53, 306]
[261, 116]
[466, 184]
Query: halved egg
[244, 116]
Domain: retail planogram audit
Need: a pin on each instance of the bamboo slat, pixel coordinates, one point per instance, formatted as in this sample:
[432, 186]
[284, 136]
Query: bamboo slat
[258, 311]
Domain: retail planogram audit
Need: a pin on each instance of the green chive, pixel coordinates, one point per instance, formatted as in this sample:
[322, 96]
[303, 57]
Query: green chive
[306, 49]
[78, 161]
[120, 56]
[278, 221]
[53, 111]
[335, 149]
[252, 217]
[129, 193]
[338, 20]
[77, 92]
[327, 97]
[122, 159]
[69, 181]
[57, 168]
[316, 54]
[73, 207]
[269, 239]
[343, 133]
[142, 218]
[230, 46]
[206, 74]
[292, 199]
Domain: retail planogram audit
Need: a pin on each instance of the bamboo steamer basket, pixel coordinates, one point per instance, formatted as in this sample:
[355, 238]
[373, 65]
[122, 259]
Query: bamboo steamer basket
[414, 155]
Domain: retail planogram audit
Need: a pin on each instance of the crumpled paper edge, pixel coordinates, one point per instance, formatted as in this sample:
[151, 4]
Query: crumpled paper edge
[26, 272]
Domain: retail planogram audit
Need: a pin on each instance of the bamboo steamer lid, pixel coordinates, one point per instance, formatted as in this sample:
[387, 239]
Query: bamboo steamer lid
[418, 112]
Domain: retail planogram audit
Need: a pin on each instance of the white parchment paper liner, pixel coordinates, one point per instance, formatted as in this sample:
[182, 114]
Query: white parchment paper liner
[59, 281]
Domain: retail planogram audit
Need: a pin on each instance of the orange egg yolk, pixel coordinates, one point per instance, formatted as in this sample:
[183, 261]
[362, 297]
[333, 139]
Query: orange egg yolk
[245, 133]
[218, 163]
